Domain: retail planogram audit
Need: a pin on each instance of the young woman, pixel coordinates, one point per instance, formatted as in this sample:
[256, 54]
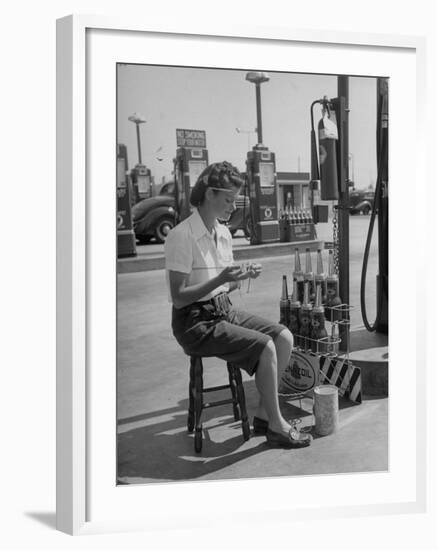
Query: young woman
[200, 274]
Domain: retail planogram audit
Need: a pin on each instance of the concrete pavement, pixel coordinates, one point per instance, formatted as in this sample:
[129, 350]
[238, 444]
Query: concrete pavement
[153, 444]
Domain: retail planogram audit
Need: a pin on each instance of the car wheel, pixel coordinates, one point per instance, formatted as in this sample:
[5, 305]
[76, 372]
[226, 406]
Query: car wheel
[233, 231]
[162, 228]
[366, 210]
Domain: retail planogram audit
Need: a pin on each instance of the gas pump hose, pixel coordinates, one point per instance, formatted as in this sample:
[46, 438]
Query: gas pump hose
[375, 212]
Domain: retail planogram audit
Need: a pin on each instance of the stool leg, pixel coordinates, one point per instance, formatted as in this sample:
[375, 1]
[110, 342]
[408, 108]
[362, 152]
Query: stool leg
[233, 385]
[242, 404]
[198, 402]
[190, 421]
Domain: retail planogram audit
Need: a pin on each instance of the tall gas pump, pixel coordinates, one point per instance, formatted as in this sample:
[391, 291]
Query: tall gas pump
[126, 244]
[191, 159]
[141, 176]
[261, 179]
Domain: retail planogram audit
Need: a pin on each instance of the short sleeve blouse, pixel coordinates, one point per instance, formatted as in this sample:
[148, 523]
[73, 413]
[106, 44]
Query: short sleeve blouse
[191, 248]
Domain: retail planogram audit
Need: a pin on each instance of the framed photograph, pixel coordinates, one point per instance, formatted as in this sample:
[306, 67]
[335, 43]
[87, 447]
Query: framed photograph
[142, 112]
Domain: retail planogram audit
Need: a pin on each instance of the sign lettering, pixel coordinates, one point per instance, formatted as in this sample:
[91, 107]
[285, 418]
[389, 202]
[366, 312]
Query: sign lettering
[301, 374]
[190, 138]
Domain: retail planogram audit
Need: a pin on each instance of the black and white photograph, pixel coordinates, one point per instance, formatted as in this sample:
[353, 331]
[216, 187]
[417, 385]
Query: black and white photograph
[198, 344]
[252, 274]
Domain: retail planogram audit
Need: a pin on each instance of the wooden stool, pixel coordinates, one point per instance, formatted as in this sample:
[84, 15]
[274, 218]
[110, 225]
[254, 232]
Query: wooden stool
[196, 403]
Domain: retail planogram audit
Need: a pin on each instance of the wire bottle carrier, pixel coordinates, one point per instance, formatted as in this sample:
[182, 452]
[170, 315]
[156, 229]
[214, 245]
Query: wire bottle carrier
[335, 366]
[337, 316]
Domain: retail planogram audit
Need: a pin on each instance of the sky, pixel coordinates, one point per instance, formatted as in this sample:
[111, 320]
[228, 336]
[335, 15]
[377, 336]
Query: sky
[220, 100]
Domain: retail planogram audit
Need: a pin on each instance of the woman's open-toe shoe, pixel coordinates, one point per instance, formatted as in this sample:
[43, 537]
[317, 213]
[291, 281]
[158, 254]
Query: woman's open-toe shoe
[260, 426]
[293, 440]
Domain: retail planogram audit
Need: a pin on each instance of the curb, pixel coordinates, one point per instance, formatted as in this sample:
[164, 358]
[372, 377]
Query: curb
[142, 262]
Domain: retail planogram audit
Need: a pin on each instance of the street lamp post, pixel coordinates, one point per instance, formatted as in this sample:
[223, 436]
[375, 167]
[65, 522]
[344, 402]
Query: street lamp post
[138, 119]
[258, 78]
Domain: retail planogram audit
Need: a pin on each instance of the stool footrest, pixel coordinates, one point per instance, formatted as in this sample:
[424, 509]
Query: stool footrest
[217, 403]
[216, 388]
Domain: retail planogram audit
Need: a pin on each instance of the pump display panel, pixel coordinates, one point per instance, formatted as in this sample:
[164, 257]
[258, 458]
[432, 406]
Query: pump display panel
[267, 174]
[143, 179]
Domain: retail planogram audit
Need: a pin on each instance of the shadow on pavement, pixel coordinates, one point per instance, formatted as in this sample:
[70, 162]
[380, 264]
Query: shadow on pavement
[161, 449]
[164, 450]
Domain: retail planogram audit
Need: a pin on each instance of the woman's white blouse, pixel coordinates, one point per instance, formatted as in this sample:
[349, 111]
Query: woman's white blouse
[191, 248]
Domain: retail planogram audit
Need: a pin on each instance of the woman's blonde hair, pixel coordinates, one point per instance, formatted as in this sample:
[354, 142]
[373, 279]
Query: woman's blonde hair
[220, 175]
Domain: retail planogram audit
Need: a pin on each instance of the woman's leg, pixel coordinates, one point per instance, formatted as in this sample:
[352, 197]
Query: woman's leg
[283, 345]
[266, 379]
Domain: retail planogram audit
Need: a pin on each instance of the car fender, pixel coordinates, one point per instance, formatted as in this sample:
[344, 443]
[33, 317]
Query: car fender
[154, 215]
[362, 205]
[236, 220]
[144, 207]
[144, 213]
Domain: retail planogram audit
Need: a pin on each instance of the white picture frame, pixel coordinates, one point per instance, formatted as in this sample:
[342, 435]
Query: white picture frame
[75, 237]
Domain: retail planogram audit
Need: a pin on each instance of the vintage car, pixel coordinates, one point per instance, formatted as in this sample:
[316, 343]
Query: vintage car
[154, 217]
[361, 201]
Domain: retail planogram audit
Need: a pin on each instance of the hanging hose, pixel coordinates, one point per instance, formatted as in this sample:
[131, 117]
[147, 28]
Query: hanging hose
[377, 210]
[369, 327]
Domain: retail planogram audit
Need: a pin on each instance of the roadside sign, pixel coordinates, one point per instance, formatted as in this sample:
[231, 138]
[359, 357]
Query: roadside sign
[190, 138]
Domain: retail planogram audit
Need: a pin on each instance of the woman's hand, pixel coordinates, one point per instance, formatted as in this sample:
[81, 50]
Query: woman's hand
[235, 273]
[232, 273]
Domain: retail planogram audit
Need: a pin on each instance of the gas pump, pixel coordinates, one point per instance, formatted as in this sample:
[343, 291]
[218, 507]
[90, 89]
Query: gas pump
[125, 234]
[191, 159]
[141, 176]
[261, 178]
[142, 182]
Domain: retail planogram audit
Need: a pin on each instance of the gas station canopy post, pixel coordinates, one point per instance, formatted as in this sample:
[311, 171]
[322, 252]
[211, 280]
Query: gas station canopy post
[258, 78]
[343, 200]
[138, 119]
